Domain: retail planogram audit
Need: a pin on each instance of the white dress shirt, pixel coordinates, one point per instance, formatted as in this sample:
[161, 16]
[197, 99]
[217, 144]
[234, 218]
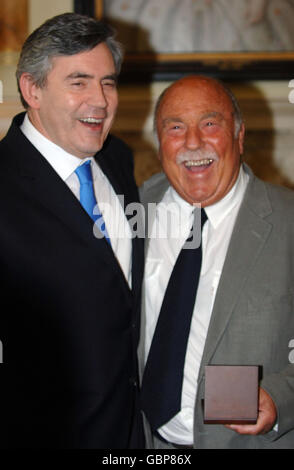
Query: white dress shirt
[109, 204]
[161, 257]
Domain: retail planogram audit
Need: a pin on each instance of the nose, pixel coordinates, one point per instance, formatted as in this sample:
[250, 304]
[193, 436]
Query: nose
[193, 138]
[97, 96]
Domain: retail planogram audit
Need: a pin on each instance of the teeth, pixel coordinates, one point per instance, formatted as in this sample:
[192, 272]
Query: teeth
[198, 162]
[91, 120]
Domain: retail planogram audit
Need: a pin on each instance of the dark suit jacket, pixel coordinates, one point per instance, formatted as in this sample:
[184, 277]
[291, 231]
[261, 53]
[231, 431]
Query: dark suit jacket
[69, 322]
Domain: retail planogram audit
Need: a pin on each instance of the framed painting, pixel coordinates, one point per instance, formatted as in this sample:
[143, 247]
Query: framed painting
[244, 39]
[13, 29]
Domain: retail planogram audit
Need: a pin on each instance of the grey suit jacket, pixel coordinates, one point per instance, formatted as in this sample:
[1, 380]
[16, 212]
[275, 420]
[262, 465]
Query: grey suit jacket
[252, 322]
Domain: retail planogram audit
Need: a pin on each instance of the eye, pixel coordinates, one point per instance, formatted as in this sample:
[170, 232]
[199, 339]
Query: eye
[109, 83]
[210, 126]
[78, 84]
[175, 126]
[174, 129]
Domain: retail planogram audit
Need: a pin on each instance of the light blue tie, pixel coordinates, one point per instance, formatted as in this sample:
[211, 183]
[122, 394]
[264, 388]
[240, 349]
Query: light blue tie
[87, 196]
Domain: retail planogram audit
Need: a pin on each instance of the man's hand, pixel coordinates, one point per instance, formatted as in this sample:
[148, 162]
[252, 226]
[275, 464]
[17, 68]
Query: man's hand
[267, 415]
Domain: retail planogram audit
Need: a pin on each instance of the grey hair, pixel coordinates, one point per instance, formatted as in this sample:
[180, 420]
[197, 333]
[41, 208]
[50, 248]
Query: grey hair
[238, 119]
[66, 34]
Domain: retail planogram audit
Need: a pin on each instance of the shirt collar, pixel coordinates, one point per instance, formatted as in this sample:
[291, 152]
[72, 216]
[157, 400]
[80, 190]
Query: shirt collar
[217, 212]
[63, 162]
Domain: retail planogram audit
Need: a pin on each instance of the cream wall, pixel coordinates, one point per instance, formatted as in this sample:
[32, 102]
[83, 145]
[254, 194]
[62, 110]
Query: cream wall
[39, 11]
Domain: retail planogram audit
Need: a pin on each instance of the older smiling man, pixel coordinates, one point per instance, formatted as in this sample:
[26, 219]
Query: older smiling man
[240, 312]
[70, 295]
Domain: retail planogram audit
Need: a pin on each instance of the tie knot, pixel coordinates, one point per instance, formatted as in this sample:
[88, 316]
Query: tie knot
[200, 217]
[84, 173]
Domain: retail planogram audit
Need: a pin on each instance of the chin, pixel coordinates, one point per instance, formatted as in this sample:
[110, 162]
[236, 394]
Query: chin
[195, 198]
[89, 152]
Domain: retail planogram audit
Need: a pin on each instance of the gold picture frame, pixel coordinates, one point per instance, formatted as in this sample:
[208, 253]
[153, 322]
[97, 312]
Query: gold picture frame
[152, 65]
[13, 29]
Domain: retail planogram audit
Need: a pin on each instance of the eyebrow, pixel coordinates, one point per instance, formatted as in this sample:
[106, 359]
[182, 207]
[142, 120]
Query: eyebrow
[207, 115]
[112, 76]
[75, 75]
[171, 119]
[211, 114]
[78, 75]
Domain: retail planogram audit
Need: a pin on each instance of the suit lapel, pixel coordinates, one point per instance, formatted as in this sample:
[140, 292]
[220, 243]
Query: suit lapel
[106, 160]
[39, 180]
[249, 236]
[151, 194]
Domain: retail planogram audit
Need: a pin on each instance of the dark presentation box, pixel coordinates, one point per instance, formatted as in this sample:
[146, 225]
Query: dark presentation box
[231, 394]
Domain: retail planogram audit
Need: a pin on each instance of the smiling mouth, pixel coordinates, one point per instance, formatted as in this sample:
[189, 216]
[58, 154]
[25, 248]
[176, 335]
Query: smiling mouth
[92, 122]
[204, 163]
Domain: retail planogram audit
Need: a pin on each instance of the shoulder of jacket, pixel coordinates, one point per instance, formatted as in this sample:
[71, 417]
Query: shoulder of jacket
[154, 181]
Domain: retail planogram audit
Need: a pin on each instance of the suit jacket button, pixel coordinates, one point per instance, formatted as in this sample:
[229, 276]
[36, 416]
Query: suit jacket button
[133, 382]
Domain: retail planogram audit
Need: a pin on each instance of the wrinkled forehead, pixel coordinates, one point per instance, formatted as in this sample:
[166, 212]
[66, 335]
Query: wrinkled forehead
[201, 95]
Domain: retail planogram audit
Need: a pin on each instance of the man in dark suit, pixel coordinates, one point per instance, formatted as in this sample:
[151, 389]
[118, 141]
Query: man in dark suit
[70, 289]
[242, 306]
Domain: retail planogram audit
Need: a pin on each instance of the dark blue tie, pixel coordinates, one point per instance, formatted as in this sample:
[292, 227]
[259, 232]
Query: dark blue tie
[163, 376]
[87, 196]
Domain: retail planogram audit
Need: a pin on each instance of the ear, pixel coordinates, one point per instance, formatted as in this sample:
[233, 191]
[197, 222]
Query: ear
[157, 143]
[159, 155]
[241, 138]
[30, 91]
